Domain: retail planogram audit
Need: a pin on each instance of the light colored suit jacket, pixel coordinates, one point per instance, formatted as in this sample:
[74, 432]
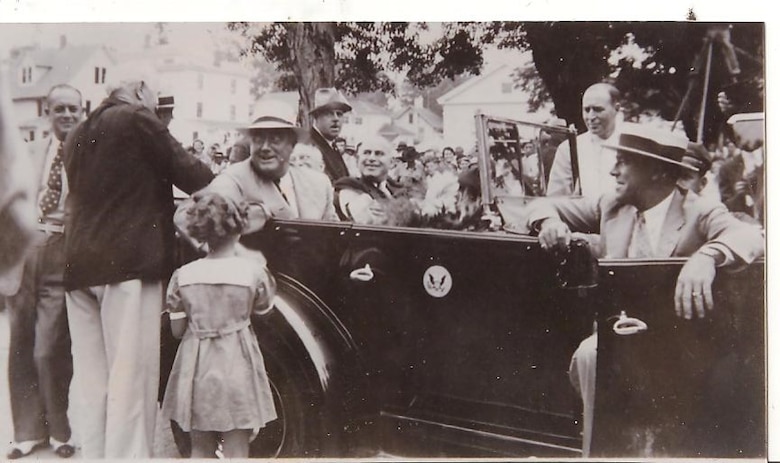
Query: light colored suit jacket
[313, 193]
[11, 278]
[692, 223]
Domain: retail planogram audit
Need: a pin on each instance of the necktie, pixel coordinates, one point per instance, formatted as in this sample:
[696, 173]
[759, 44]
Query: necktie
[51, 198]
[279, 187]
[640, 246]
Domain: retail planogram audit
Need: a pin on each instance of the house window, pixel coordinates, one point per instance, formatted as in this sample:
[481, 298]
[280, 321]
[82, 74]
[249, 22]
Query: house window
[200, 81]
[199, 110]
[32, 135]
[27, 75]
[97, 75]
[358, 120]
[88, 107]
[233, 87]
[40, 107]
[232, 112]
[411, 117]
[194, 136]
[103, 75]
[506, 87]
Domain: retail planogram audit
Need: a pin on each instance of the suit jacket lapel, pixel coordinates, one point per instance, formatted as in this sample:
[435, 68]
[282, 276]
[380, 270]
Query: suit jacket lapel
[672, 227]
[616, 234]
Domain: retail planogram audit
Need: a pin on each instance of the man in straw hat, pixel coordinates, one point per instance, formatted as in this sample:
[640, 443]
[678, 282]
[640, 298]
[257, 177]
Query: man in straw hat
[648, 216]
[327, 121]
[267, 181]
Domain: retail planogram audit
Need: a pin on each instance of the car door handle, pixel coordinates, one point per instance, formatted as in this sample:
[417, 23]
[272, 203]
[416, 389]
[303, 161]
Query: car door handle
[362, 274]
[626, 325]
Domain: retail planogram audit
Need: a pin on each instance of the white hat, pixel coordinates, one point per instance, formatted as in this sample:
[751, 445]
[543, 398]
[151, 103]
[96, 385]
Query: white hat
[273, 114]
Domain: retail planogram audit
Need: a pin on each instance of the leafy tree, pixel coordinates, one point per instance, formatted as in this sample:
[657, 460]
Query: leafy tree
[359, 57]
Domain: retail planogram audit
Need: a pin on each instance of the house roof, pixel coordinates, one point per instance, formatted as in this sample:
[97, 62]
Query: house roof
[390, 131]
[59, 66]
[469, 84]
[433, 119]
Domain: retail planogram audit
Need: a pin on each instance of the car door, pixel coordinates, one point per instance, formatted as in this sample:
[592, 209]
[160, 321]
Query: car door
[680, 388]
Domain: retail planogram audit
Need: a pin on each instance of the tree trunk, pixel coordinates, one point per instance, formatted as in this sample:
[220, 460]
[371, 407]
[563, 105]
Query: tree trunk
[312, 49]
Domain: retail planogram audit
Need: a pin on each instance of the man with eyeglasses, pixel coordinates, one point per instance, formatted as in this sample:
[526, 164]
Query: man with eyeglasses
[327, 122]
[40, 365]
[267, 182]
[121, 164]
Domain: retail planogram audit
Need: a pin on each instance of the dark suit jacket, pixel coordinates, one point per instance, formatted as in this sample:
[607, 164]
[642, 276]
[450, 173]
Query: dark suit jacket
[121, 164]
[692, 223]
[335, 167]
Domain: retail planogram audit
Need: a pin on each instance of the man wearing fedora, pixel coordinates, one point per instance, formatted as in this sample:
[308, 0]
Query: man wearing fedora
[267, 182]
[648, 216]
[327, 121]
[164, 109]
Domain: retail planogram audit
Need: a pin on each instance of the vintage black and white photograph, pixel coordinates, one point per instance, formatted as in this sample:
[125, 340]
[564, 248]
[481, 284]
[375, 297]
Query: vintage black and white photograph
[384, 240]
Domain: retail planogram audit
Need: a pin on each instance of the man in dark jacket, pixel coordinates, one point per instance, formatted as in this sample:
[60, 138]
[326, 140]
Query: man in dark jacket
[327, 121]
[121, 164]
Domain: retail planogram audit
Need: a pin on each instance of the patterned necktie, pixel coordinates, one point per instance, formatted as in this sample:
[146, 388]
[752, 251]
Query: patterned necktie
[640, 239]
[51, 199]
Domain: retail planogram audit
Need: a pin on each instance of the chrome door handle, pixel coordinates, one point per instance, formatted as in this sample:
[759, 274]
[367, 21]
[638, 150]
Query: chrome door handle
[362, 274]
[626, 325]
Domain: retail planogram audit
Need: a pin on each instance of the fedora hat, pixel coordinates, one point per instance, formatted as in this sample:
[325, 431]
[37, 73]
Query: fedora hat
[272, 114]
[165, 102]
[329, 98]
[651, 142]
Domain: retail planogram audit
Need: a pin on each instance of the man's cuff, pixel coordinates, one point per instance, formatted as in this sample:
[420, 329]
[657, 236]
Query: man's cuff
[720, 253]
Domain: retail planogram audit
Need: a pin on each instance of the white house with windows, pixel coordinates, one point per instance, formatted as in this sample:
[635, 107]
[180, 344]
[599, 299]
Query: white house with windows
[425, 125]
[212, 97]
[493, 93]
[34, 71]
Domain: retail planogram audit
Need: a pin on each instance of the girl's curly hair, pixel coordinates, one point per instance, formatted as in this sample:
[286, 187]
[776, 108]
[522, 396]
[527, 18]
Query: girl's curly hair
[212, 218]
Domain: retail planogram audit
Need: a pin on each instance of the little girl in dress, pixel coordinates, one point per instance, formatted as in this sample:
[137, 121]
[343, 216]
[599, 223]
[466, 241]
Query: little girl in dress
[218, 388]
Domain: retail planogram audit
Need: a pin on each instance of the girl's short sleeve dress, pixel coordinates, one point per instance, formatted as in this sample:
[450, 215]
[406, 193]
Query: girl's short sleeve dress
[218, 381]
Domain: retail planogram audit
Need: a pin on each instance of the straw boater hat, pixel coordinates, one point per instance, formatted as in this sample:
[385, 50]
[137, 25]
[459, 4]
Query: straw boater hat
[655, 143]
[272, 114]
[329, 98]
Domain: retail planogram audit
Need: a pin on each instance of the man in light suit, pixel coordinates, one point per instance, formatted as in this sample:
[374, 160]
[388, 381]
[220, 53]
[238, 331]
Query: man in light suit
[40, 366]
[600, 111]
[648, 216]
[266, 181]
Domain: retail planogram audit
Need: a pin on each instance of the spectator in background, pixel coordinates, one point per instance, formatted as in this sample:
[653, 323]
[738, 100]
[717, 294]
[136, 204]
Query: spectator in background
[307, 156]
[240, 151]
[450, 159]
[327, 121]
[164, 109]
[119, 254]
[40, 364]
[600, 111]
[219, 162]
[200, 151]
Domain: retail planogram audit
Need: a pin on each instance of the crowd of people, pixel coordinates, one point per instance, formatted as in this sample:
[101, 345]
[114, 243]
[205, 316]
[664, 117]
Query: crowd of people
[99, 276]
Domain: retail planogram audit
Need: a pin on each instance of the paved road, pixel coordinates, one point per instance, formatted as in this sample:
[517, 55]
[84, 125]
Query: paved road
[164, 447]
